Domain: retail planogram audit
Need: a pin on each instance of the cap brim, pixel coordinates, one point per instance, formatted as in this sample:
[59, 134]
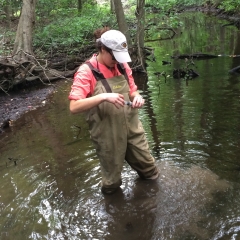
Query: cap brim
[122, 57]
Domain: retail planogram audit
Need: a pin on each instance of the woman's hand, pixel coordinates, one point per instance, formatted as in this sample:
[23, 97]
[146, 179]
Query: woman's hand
[115, 98]
[138, 101]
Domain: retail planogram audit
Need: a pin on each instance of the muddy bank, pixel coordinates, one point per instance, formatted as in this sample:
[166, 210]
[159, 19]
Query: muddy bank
[16, 103]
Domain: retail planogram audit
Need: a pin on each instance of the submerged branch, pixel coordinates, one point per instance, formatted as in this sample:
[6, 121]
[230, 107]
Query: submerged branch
[160, 38]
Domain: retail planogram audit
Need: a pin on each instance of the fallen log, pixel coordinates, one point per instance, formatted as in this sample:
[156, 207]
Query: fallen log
[202, 56]
[76, 61]
[195, 56]
[235, 70]
[12, 74]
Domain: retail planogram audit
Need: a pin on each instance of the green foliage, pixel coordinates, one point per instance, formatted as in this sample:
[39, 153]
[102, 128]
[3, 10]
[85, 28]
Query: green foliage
[13, 6]
[60, 25]
[13, 3]
[6, 40]
[171, 5]
[230, 5]
[46, 7]
[73, 31]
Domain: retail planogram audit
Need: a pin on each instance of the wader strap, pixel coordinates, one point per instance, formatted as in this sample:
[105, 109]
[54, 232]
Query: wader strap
[122, 70]
[99, 77]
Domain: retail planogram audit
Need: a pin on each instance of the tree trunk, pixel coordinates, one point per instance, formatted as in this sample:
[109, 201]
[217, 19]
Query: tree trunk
[122, 24]
[140, 14]
[7, 10]
[79, 6]
[112, 6]
[23, 48]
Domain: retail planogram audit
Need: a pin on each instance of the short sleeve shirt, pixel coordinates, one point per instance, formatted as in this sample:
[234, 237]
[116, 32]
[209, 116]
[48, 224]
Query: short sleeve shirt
[84, 82]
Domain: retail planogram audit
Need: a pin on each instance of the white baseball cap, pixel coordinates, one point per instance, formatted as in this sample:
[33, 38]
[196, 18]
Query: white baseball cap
[117, 42]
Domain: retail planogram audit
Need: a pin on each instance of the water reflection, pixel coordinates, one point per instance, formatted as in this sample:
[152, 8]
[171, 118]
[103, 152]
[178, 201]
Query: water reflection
[142, 210]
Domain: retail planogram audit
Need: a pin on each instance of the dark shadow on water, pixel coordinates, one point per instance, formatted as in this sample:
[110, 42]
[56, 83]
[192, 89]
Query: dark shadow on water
[132, 211]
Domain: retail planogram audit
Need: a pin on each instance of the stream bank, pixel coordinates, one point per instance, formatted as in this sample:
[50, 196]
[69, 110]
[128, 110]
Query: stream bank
[16, 103]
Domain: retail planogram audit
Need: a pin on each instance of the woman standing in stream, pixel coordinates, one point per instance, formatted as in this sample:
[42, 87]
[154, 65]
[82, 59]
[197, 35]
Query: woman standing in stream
[105, 90]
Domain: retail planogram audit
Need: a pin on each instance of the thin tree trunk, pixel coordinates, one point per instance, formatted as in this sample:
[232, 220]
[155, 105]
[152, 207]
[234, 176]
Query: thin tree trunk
[79, 6]
[7, 10]
[122, 24]
[112, 6]
[140, 14]
[23, 42]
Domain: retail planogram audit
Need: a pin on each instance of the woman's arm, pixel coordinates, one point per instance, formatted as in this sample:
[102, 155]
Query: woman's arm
[83, 84]
[81, 105]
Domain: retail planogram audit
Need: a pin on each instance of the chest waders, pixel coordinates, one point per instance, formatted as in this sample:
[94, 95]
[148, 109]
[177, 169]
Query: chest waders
[118, 134]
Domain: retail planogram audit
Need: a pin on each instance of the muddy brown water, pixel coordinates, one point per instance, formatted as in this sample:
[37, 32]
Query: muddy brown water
[50, 189]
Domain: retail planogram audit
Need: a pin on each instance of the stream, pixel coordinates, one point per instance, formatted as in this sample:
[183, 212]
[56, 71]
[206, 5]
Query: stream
[50, 174]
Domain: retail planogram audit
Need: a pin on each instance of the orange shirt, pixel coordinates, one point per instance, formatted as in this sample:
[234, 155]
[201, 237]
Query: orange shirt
[84, 82]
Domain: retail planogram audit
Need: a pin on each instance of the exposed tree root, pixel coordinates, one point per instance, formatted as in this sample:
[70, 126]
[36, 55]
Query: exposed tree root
[13, 73]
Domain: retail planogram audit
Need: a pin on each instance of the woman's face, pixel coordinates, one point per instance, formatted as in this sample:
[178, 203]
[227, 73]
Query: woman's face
[108, 58]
